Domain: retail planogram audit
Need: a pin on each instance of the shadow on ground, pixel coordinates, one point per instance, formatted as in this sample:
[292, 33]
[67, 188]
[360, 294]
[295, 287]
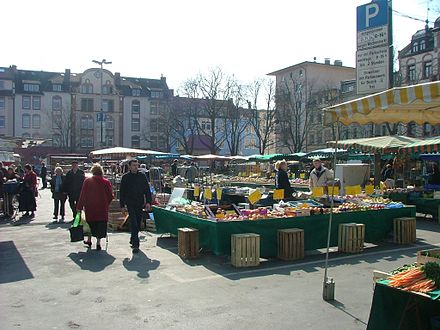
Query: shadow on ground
[12, 266]
[92, 260]
[140, 263]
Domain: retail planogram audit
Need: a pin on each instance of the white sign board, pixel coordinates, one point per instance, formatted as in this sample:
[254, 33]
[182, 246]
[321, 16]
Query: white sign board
[372, 56]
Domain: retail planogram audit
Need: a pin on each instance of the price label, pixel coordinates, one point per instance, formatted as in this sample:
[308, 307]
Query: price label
[207, 193]
[255, 196]
[272, 175]
[369, 189]
[196, 191]
[219, 192]
[318, 191]
[302, 175]
[278, 194]
[333, 191]
[353, 190]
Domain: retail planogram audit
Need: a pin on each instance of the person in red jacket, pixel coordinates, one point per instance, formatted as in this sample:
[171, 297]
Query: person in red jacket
[96, 195]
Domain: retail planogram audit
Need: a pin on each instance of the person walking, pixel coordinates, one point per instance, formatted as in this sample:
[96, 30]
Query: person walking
[174, 171]
[43, 175]
[191, 173]
[27, 202]
[96, 195]
[58, 195]
[73, 185]
[134, 194]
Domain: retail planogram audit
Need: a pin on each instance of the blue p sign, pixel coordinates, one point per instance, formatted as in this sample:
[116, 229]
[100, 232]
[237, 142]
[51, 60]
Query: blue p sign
[372, 15]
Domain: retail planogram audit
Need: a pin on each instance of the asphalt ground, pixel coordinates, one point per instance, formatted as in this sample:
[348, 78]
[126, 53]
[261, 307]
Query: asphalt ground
[46, 282]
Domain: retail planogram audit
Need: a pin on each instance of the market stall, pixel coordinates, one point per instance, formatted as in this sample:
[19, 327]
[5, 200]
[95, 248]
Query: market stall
[215, 235]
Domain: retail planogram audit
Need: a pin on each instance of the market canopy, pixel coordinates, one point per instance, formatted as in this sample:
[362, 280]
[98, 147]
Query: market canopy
[325, 153]
[379, 144]
[211, 157]
[431, 145]
[123, 152]
[417, 103]
[271, 157]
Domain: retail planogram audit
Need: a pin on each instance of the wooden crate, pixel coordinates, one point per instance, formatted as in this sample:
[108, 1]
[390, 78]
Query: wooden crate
[188, 242]
[114, 206]
[115, 220]
[245, 250]
[425, 256]
[351, 237]
[150, 225]
[290, 244]
[405, 230]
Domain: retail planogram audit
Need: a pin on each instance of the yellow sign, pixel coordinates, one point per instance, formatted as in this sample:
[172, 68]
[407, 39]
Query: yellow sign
[318, 191]
[333, 191]
[272, 175]
[255, 196]
[219, 192]
[278, 194]
[196, 191]
[302, 175]
[353, 190]
[369, 189]
[207, 193]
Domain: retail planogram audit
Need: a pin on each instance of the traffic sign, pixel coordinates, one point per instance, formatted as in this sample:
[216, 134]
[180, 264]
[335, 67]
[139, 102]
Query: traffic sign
[100, 116]
[372, 15]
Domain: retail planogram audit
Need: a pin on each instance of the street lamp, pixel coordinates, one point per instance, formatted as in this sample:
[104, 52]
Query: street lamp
[101, 63]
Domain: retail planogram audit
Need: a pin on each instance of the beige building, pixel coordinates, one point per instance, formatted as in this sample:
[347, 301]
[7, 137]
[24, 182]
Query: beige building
[302, 91]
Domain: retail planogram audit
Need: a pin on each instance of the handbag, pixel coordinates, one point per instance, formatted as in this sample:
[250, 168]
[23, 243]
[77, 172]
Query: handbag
[76, 231]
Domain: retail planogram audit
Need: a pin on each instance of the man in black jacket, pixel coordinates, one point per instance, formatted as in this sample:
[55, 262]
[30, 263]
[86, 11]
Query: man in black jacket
[43, 175]
[73, 184]
[135, 194]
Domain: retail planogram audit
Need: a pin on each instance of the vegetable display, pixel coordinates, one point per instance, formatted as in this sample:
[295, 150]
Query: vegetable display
[419, 279]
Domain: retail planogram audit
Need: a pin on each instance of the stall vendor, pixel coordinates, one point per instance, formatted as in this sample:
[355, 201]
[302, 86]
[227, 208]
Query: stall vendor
[320, 175]
[435, 175]
[282, 179]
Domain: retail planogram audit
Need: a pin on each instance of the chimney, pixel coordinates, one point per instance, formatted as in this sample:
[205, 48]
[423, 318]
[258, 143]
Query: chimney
[327, 61]
[13, 68]
[164, 79]
[67, 76]
[117, 78]
[337, 63]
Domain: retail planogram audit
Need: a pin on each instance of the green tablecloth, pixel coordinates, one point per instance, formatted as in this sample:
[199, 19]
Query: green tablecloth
[392, 308]
[216, 236]
[427, 206]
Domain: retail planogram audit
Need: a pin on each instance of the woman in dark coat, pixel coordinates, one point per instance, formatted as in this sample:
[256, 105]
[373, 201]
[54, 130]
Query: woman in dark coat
[282, 179]
[58, 195]
[27, 202]
[96, 195]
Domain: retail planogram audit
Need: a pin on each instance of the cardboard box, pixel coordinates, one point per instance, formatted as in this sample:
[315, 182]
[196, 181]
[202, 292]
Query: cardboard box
[425, 256]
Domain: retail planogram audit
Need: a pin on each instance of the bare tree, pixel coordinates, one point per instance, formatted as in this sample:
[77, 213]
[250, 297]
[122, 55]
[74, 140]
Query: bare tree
[263, 121]
[63, 128]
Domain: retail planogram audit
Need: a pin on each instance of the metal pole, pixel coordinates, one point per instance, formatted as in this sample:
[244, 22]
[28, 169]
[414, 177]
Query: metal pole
[102, 110]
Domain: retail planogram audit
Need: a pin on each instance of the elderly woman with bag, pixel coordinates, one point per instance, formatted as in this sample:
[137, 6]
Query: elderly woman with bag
[58, 195]
[96, 195]
[27, 201]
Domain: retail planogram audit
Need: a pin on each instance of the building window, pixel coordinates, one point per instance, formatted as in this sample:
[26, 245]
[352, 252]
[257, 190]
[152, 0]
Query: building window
[154, 125]
[153, 108]
[26, 101]
[86, 104]
[2, 103]
[26, 121]
[56, 103]
[136, 92]
[109, 123]
[206, 125]
[422, 45]
[56, 88]
[427, 69]
[318, 138]
[412, 72]
[2, 122]
[135, 141]
[415, 47]
[31, 87]
[57, 120]
[135, 107]
[36, 121]
[107, 88]
[153, 142]
[135, 124]
[2, 84]
[36, 102]
[87, 87]
[108, 105]
[86, 142]
[355, 134]
[109, 140]
[162, 142]
[87, 123]
[156, 95]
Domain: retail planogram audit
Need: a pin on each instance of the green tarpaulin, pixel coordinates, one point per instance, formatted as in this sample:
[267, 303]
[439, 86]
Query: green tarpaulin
[216, 236]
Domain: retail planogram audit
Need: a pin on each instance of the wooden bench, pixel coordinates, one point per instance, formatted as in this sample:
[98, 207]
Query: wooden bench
[290, 244]
[245, 250]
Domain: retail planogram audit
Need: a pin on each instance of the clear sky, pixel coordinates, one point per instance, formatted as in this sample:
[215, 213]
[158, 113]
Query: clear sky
[179, 38]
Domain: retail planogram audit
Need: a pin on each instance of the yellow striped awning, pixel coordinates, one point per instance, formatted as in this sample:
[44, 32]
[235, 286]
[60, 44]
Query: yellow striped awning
[417, 103]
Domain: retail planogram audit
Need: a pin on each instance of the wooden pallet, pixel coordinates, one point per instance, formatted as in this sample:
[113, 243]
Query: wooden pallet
[351, 237]
[405, 230]
[245, 250]
[290, 244]
[188, 243]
